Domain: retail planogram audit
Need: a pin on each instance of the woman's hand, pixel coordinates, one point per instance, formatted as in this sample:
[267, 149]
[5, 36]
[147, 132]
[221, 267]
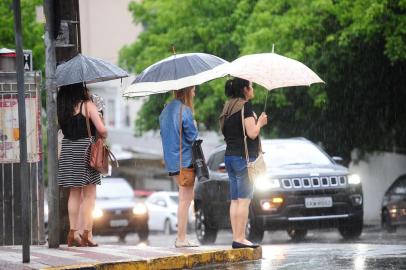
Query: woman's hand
[253, 127]
[263, 119]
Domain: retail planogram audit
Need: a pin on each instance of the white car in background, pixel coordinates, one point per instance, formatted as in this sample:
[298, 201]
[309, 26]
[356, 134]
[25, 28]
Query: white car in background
[162, 208]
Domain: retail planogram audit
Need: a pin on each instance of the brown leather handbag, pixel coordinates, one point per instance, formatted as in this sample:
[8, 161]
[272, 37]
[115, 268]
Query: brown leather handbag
[186, 175]
[100, 153]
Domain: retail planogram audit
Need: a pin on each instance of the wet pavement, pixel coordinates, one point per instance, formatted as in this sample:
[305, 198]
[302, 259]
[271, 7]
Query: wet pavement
[322, 249]
[326, 256]
[326, 250]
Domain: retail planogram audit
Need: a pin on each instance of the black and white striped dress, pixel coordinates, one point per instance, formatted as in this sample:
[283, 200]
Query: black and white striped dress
[74, 169]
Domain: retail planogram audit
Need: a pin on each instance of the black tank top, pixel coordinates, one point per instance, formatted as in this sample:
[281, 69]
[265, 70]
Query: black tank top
[76, 129]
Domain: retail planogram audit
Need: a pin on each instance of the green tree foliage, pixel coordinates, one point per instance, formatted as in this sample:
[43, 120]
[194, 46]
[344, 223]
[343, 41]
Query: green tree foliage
[32, 30]
[356, 46]
[191, 26]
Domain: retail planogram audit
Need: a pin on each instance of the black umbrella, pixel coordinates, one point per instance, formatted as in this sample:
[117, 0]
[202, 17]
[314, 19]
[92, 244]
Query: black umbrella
[176, 72]
[88, 70]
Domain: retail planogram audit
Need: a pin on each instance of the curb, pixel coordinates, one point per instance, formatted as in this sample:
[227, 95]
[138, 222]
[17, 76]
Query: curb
[185, 261]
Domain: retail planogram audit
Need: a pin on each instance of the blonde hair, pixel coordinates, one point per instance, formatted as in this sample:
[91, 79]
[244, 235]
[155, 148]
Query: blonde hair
[185, 95]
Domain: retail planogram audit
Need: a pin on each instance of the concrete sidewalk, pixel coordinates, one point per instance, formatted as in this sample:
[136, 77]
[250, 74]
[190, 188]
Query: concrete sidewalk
[108, 257]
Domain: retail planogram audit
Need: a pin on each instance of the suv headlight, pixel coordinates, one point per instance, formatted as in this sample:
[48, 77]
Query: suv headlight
[264, 183]
[140, 209]
[354, 179]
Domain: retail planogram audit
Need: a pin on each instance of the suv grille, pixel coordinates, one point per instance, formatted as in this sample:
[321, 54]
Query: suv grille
[313, 182]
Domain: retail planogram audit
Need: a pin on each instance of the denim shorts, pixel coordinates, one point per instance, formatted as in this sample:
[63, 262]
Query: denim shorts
[240, 185]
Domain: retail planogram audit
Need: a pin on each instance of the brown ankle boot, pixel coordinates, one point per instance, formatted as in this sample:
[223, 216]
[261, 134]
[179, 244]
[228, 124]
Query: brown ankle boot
[72, 241]
[85, 240]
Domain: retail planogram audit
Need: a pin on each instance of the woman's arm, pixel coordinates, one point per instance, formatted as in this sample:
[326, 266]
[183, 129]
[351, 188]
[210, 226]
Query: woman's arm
[189, 128]
[253, 127]
[96, 119]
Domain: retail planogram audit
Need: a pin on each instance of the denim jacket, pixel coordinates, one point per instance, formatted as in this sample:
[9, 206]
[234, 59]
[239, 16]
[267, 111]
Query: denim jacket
[169, 126]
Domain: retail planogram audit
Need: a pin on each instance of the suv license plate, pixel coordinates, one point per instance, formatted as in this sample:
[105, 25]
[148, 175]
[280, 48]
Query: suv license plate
[118, 223]
[318, 202]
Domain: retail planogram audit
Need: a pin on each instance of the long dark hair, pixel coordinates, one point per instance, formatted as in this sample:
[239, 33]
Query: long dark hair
[69, 96]
[234, 88]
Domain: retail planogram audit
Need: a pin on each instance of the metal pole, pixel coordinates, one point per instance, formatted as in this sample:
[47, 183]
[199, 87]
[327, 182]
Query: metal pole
[25, 180]
[266, 99]
[52, 128]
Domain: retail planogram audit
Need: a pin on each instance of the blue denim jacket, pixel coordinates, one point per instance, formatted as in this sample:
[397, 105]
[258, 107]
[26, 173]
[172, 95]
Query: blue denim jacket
[169, 125]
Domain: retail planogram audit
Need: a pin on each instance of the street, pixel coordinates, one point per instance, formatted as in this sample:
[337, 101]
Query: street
[323, 249]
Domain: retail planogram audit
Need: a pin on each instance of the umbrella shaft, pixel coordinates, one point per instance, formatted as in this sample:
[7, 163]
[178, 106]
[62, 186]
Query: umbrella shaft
[266, 99]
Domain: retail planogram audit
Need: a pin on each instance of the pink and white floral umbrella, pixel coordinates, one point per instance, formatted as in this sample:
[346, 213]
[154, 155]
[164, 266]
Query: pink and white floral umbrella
[272, 71]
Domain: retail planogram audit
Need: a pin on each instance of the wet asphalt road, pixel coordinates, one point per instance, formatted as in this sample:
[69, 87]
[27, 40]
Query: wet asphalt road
[322, 249]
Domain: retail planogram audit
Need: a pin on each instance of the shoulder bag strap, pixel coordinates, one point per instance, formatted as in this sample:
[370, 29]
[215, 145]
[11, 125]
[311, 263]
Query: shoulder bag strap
[112, 156]
[87, 121]
[245, 137]
[180, 137]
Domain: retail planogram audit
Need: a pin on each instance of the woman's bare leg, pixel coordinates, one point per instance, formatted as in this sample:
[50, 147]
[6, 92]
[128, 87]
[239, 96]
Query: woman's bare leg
[73, 207]
[234, 218]
[80, 224]
[242, 216]
[89, 199]
[186, 195]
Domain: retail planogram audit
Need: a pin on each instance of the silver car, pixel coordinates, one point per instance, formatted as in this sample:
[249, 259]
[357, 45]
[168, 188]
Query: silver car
[162, 209]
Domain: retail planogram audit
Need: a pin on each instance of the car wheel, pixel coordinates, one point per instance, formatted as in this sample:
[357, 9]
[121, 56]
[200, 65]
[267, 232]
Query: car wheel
[121, 237]
[387, 223]
[254, 231]
[143, 232]
[350, 229]
[297, 235]
[204, 233]
[168, 227]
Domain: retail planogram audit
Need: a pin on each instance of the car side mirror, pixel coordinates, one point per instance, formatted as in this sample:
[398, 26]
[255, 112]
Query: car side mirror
[161, 203]
[338, 159]
[222, 167]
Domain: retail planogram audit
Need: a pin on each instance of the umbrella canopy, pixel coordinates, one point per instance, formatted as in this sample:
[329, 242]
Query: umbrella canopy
[272, 71]
[87, 69]
[176, 72]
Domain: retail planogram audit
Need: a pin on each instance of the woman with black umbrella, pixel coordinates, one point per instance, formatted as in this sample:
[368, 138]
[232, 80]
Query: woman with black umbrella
[74, 172]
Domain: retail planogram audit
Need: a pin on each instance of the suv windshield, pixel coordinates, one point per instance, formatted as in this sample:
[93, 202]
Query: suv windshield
[114, 190]
[293, 153]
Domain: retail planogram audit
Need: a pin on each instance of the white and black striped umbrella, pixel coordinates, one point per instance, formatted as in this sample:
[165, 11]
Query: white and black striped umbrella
[88, 70]
[176, 72]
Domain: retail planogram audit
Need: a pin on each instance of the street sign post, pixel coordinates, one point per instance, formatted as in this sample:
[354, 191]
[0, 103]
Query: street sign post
[25, 184]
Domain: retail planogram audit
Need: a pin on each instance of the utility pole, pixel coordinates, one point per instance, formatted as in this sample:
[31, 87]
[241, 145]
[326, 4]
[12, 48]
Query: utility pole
[25, 180]
[66, 47]
[62, 39]
[52, 128]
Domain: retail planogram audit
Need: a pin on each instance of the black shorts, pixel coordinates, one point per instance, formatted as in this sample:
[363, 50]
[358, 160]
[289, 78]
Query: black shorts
[177, 173]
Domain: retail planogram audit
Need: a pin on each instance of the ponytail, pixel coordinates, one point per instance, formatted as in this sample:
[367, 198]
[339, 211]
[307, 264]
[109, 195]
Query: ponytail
[234, 88]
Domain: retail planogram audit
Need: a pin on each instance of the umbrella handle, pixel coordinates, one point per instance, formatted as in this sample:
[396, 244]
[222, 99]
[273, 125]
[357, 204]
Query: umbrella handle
[266, 99]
